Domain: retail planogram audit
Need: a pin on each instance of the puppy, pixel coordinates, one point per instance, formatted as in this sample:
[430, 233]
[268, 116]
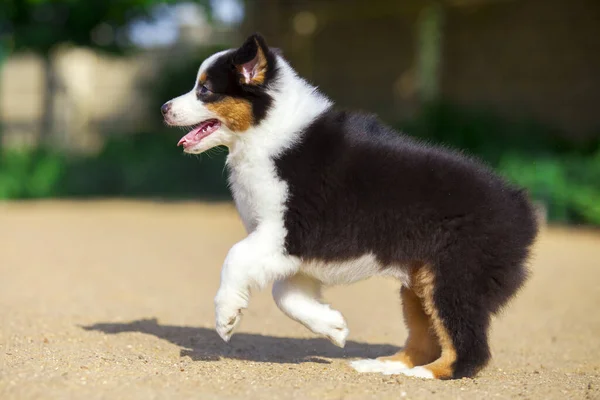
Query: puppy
[333, 197]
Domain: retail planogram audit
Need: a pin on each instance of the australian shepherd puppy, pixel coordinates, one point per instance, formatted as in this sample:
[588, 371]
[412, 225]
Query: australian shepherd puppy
[332, 197]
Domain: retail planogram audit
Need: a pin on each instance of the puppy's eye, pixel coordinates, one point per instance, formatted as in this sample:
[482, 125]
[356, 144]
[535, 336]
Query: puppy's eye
[203, 90]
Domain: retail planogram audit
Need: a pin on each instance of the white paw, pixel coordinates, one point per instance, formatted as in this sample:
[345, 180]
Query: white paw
[383, 367]
[419, 372]
[228, 311]
[227, 324]
[331, 324]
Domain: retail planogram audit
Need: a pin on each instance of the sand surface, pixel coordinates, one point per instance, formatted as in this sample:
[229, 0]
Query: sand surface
[114, 300]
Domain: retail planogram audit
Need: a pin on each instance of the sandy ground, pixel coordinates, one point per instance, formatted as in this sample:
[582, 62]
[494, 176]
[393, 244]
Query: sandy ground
[110, 300]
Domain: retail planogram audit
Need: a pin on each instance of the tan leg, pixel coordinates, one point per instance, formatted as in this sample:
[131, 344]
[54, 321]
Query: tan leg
[422, 282]
[422, 346]
[430, 350]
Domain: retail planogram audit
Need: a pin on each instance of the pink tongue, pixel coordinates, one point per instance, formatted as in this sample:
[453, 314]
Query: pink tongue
[191, 137]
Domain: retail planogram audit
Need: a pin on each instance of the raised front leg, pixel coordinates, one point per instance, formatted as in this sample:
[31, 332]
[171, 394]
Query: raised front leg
[298, 297]
[252, 263]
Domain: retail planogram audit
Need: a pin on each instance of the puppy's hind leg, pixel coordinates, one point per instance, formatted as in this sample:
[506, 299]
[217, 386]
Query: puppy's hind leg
[459, 320]
[421, 347]
[298, 297]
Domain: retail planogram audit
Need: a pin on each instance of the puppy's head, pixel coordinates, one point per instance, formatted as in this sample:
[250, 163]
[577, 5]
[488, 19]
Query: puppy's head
[229, 96]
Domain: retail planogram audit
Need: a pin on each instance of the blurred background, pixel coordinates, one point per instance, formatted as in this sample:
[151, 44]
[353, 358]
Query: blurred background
[514, 82]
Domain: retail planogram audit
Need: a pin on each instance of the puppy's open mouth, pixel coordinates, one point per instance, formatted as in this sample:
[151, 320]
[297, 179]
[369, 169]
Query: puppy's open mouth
[201, 131]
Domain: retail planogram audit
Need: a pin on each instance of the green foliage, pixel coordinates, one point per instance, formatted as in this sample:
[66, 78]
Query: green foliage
[569, 186]
[148, 165]
[563, 175]
[29, 173]
[140, 165]
[489, 136]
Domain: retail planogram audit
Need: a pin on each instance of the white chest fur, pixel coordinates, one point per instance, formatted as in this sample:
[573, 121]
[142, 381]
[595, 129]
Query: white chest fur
[258, 192]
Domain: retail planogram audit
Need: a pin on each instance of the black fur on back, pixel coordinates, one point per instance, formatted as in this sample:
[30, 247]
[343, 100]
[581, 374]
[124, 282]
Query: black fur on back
[357, 187]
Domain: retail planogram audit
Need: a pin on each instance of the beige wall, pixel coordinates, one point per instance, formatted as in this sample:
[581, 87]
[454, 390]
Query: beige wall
[95, 93]
[98, 94]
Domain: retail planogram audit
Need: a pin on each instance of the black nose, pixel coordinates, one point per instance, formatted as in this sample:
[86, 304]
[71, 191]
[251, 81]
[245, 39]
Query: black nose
[165, 108]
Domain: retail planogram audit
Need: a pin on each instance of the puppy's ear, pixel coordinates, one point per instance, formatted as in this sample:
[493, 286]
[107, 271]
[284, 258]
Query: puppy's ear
[252, 60]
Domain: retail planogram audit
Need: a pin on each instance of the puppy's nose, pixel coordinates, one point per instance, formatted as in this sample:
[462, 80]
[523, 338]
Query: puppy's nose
[165, 108]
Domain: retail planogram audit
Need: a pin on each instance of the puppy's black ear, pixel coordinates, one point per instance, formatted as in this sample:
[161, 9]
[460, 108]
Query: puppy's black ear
[252, 60]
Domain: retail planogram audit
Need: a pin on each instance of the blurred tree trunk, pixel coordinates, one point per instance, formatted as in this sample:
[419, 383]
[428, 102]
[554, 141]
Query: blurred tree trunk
[49, 95]
[430, 33]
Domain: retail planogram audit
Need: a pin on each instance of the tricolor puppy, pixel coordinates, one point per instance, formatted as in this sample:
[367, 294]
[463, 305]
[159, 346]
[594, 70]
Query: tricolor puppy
[331, 197]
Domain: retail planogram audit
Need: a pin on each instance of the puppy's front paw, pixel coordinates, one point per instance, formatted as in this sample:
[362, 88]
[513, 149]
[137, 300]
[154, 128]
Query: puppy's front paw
[331, 324]
[226, 324]
[336, 329]
[228, 311]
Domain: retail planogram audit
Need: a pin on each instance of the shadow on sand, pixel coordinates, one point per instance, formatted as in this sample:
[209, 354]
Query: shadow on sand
[203, 344]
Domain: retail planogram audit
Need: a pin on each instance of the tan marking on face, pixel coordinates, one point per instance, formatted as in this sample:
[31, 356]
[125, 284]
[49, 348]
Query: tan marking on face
[236, 114]
[423, 285]
[261, 68]
[201, 79]
[422, 346]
